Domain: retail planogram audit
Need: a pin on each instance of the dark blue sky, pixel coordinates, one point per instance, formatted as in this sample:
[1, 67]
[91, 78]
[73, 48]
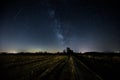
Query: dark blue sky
[52, 25]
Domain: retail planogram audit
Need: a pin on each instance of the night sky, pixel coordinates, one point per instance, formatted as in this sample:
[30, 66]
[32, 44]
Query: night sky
[52, 25]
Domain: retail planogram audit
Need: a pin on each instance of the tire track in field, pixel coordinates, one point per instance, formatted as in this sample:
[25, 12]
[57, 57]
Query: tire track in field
[52, 72]
[74, 71]
[65, 71]
[81, 67]
[12, 65]
[54, 67]
[26, 69]
[37, 70]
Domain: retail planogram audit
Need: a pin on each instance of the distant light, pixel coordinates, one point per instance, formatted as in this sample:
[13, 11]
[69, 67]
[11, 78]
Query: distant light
[12, 51]
[117, 51]
[84, 51]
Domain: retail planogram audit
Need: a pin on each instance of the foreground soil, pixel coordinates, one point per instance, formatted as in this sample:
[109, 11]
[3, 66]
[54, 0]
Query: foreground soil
[51, 67]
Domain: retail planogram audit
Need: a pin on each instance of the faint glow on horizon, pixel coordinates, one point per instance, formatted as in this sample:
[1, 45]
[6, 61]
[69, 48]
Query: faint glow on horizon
[31, 50]
[34, 50]
[12, 51]
[83, 50]
[118, 51]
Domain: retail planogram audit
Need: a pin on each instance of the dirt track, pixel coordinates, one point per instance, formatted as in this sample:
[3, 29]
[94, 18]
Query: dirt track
[53, 67]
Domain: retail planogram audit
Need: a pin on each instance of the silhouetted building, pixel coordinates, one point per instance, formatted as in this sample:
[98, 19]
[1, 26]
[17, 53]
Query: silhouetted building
[69, 51]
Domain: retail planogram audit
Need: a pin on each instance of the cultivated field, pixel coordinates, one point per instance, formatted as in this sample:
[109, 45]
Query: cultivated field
[107, 65]
[53, 67]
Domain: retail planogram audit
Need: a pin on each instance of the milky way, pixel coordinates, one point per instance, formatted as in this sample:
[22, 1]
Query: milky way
[57, 27]
[52, 25]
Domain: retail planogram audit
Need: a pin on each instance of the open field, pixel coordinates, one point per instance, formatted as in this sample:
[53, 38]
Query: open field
[106, 65]
[57, 67]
